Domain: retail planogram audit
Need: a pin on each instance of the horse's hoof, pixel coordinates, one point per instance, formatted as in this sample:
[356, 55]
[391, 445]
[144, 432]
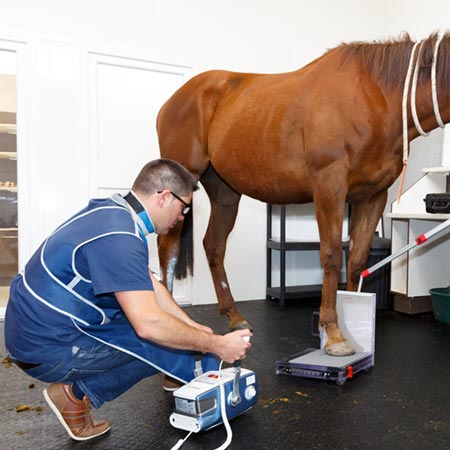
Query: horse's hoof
[339, 349]
[242, 325]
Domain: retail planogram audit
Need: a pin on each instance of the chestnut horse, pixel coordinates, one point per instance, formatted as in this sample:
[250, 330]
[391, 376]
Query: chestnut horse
[328, 133]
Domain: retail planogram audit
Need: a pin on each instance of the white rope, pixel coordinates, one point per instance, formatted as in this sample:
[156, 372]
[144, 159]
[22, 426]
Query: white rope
[413, 94]
[405, 104]
[433, 80]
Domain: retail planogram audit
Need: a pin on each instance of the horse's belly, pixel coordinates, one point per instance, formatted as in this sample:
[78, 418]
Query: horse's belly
[266, 180]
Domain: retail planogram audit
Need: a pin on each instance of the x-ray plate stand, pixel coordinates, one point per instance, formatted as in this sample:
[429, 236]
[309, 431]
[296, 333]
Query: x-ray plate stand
[356, 319]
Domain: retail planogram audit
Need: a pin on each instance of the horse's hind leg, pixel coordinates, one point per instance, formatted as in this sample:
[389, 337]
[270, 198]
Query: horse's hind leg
[364, 220]
[224, 207]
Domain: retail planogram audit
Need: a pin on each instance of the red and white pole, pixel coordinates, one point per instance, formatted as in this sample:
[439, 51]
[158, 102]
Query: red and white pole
[418, 241]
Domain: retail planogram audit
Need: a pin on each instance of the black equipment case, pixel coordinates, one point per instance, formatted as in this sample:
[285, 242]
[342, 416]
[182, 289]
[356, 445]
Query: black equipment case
[437, 203]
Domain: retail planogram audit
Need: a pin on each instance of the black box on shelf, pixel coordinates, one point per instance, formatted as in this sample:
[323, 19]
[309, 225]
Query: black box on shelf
[437, 203]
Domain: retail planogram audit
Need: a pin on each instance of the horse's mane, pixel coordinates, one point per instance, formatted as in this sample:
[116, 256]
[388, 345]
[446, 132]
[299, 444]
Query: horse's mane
[388, 61]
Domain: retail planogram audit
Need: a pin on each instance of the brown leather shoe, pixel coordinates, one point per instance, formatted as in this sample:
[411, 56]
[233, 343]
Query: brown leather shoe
[170, 384]
[74, 414]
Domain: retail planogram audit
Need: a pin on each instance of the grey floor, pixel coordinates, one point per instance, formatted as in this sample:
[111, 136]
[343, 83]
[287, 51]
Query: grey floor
[403, 402]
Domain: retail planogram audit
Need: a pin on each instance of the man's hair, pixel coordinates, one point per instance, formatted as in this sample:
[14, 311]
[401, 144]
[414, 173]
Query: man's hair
[163, 174]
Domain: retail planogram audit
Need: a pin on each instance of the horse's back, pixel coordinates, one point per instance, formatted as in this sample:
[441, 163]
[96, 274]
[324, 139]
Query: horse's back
[193, 122]
[183, 121]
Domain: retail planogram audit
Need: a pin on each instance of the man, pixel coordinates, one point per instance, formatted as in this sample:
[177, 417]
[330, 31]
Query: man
[87, 316]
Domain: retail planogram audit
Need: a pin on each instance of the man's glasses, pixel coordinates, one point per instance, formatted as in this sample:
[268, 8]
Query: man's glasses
[187, 206]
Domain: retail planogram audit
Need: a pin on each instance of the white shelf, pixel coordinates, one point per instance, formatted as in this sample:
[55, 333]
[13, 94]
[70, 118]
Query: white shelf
[9, 128]
[9, 229]
[8, 155]
[419, 216]
[436, 170]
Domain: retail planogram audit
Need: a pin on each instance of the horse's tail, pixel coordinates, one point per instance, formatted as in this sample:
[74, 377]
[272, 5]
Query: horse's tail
[185, 262]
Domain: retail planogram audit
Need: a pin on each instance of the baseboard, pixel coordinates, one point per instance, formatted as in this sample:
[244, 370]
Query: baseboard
[412, 305]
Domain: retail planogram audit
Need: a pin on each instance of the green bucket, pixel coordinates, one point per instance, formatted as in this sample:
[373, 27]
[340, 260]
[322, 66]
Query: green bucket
[440, 298]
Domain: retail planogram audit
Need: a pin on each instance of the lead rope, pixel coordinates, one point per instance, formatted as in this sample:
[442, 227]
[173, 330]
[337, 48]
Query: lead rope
[433, 81]
[405, 121]
[413, 95]
[413, 102]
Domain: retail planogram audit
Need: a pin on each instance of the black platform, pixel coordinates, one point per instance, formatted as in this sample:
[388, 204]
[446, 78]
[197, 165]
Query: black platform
[403, 402]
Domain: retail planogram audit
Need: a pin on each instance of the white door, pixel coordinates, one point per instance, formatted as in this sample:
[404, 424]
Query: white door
[125, 95]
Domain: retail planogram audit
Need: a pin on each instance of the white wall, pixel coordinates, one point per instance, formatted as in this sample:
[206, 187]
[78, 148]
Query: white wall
[255, 36]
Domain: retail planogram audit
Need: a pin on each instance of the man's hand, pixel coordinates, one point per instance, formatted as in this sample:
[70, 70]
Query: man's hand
[158, 325]
[233, 346]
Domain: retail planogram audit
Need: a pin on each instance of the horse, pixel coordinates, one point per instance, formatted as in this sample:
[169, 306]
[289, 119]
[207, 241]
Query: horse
[328, 133]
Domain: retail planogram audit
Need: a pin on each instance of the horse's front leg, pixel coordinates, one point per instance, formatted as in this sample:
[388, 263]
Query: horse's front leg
[364, 220]
[329, 200]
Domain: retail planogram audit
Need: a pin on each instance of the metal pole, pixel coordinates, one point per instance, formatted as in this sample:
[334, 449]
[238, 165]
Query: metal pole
[418, 241]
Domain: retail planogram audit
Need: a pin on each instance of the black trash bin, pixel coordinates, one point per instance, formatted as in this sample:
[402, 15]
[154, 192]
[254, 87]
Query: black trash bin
[379, 282]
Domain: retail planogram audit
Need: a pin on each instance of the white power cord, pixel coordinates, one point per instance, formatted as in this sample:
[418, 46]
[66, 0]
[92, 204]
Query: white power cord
[181, 442]
[223, 411]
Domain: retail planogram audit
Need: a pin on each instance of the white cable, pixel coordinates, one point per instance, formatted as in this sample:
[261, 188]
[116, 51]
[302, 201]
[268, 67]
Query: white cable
[181, 442]
[223, 411]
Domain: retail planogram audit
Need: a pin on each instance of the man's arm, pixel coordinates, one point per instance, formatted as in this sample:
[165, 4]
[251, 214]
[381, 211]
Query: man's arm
[155, 324]
[167, 303]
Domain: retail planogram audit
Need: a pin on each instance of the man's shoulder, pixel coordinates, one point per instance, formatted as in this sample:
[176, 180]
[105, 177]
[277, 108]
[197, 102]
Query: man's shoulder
[105, 207]
[99, 217]
[95, 203]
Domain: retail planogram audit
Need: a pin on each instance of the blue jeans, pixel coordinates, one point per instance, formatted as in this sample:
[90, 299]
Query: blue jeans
[100, 371]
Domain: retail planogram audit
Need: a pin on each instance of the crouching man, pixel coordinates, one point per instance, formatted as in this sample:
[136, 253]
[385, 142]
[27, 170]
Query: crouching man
[88, 317]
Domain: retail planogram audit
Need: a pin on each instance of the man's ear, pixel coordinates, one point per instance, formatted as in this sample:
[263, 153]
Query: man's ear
[162, 197]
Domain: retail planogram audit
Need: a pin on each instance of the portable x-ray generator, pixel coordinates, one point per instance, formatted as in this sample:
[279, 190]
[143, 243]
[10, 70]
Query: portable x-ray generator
[198, 404]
